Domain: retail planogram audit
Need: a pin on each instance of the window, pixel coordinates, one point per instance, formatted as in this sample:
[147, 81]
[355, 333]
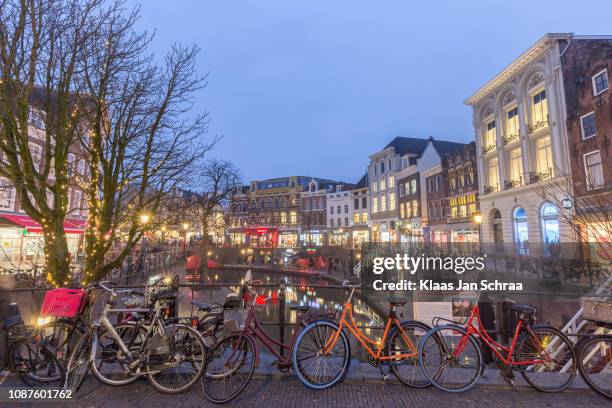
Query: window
[331, 209]
[36, 153]
[283, 217]
[430, 210]
[36, 118]
[356, 218]
[356, 204]
[374, 204]
[512, 124]
[521, 235]
[346, 223]
[402, 190]
[593, 170]
[600, 82]
[402, 210]
[489, 142]
[413, 185]
[383, 202]
[587, 123]
[539, 111]
[374, 186]
[550, 226]
[415, 208]
[339, 210]
[364, 202]
[544, 164]
[6, 194]
[408, 209]
[331, 222]
[382, 167]
[391, 182]
[392, 200]
[364, 217]
[346, 208]
[516, 166]
[493, 175]
[438, 182]
[383, 184]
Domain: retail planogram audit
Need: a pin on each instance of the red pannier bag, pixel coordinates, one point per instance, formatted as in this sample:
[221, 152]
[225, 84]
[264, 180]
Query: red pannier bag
[63, 302]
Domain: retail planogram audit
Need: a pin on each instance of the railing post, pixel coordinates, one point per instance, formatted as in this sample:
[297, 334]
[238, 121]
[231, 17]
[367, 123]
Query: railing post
[281, 317]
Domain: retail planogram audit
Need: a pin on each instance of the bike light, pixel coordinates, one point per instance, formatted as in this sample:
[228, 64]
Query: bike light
[260, 300]
[41, 321]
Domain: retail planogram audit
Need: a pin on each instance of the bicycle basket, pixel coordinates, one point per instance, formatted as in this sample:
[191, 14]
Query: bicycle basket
[63, 302]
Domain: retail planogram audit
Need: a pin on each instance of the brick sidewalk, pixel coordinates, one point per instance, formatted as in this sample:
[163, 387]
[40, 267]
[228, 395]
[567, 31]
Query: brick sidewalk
[286, 393]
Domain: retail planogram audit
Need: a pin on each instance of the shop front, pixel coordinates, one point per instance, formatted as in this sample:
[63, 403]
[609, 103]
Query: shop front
[288, 239]
[338, 237]
[261, 237]
[360, 237]
[313, 237]
[21, 238]
[411, 231]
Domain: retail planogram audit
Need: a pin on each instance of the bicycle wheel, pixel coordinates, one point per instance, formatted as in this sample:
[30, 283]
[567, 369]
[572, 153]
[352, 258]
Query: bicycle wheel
[35, 364]
[110, 364]
[547, 343]
[407, 369]
[459, 365]
[78, 363]
[176, 362]
[229, 368]
[315, 367]
[595, 364]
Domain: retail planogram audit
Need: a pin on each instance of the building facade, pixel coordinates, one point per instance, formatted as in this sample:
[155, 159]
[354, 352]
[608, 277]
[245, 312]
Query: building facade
[21, 237]
[462, 200]
[436, 192]
[586, 65]
[314, 224]
[339, 214]
[267, 213]
[359, 230]
[522, 149]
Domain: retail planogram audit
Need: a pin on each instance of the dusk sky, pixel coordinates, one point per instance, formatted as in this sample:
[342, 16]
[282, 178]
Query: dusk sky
[314, 87]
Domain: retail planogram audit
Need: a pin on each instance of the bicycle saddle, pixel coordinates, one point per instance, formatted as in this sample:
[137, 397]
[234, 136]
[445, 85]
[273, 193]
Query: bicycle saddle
[299, 308]
[527, 309]
[396, 301]
[203, 307]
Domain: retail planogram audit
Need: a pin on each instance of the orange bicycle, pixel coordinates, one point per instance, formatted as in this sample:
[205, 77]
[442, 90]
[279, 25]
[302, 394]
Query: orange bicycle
[321, 354]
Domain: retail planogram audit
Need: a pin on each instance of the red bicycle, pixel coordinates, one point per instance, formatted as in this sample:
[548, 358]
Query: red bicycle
[543, 355]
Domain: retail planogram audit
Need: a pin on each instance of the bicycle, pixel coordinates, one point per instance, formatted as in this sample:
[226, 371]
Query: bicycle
[170, 356]
[231, 363]
[322, 354]
[33, 351]
[461, 362]
[595, 360]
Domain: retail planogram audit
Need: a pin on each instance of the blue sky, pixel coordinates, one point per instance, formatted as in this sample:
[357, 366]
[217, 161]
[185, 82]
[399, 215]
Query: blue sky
[312, 87]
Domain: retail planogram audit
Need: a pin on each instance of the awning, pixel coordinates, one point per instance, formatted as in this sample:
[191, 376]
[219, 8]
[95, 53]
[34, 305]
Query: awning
[70, 226]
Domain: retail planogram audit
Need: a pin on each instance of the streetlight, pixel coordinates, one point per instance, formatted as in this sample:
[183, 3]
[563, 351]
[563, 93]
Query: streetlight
[478, 220]
[145, 218]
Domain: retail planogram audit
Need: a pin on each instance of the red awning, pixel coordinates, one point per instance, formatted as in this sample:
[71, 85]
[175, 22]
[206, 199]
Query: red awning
[70, 226]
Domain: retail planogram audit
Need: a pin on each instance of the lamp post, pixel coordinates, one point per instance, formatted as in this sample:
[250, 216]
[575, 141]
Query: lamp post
[478, 220]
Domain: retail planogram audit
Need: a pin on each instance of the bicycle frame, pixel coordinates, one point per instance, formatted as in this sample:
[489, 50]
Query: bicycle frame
[347, 320]
[475, 327]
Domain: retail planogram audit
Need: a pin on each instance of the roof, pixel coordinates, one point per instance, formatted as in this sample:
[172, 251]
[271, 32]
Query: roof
[363, 181]
[412, 145]
[519, 63]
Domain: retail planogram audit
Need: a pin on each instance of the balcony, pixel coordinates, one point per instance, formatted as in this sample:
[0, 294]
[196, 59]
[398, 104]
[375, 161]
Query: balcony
[488, 148]
[490, 189]
[537, 125]
[536, 177]
[508, 184]
[511, 138]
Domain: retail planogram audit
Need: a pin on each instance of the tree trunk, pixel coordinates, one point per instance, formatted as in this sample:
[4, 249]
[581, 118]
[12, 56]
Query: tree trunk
[57, 256]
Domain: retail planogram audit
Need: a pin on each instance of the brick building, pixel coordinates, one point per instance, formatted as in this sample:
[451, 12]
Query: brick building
[586, 65]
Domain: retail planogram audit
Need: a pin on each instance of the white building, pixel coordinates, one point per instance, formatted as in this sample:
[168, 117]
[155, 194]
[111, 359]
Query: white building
[521, 143]
[340, 214]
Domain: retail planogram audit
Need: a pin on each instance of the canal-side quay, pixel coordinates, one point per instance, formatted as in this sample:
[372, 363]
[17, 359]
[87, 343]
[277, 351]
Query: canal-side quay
[286, 392]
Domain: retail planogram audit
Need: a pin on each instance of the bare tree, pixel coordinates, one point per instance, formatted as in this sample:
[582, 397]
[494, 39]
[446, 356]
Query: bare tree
[588, 215]
[100, 89]
[218, 180]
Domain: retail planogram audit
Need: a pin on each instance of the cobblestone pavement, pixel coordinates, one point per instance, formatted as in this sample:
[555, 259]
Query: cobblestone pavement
[286, 393]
